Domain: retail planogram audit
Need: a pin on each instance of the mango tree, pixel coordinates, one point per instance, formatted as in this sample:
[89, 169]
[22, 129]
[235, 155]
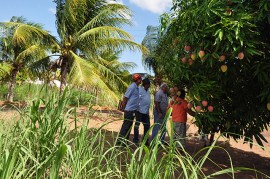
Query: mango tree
[219, 50]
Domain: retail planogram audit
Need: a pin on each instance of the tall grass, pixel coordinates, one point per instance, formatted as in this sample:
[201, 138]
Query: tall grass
[28, 91]
[41, 144]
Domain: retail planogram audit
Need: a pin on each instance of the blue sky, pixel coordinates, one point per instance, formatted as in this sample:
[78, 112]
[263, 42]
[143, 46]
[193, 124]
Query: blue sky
[145, 12]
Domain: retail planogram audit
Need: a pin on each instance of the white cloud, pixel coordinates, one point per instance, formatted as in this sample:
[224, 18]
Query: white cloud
[52, 10]
[115, 1]
[155, 6]
[120, 1]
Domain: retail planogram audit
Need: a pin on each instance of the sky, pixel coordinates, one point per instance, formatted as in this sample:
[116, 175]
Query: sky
[145, 12]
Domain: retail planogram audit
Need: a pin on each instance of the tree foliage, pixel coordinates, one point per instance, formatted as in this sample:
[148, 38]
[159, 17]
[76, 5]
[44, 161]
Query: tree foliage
[225, 31]
[87, 30]
[22, 44]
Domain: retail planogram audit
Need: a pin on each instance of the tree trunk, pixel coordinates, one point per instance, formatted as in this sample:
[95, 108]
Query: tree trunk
[64, 68]
[10, 94]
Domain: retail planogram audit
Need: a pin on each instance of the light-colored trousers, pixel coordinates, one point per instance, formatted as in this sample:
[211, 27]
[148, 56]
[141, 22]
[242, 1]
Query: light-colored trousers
[180, 129]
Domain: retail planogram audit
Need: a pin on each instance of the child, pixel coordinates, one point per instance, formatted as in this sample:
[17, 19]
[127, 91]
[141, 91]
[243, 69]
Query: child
[179, 117]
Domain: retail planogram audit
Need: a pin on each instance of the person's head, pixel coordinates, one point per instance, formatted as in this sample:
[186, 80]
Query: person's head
[164, 87]
[175, 89]
[158, 80]
[172, 92]
[146, 83]
[137, 79]
[182, 94]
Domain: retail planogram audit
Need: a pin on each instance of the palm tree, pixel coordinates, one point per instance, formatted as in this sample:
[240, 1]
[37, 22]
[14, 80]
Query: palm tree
[88, 28]
[22, 43]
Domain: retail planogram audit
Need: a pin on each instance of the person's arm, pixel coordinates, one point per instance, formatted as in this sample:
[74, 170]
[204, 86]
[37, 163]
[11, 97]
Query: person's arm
[170, 104]
[127, 95]
[157, 106]
[190, 112]
[124, 103]
[157, 102]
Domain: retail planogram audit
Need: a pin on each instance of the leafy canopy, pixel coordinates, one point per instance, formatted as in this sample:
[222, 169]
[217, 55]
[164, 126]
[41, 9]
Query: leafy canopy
[22, 44]
[224, 31]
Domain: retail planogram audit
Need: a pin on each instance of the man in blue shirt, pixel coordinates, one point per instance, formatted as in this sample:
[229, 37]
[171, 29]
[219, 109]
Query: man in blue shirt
[143, 111]
[130, 105]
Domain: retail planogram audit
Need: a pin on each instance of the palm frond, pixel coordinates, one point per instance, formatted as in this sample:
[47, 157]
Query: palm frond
[116, 64]
[6, 49]
[85, 75]
[97, 33]
[75, 13]
[124, 66]
[114, 15]
[72, 15]
[34, 52]
[5, 69]
[109, 73]
[117, 44]
[25, 34]
[38, 68]
[107, 38]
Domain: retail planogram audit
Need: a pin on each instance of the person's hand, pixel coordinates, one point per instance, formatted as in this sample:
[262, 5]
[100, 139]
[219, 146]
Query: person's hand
[159, 115]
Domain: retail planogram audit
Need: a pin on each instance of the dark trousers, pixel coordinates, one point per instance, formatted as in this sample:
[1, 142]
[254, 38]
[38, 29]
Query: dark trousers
[145, 119]
[126, 126]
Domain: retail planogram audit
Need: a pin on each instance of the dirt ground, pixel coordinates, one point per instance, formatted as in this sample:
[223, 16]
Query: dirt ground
[242, 155]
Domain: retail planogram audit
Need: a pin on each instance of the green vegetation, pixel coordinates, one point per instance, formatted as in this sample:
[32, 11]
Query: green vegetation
[22, 44]
[218, 50]
[87, 29]
[43, 144]
[26, 92]
[85, 55]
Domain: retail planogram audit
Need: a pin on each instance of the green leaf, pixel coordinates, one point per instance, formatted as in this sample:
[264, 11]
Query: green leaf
[54, 173]
[220, 35]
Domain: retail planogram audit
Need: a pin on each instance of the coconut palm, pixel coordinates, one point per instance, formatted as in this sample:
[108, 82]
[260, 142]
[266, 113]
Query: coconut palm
[22, 43]
[88, 28]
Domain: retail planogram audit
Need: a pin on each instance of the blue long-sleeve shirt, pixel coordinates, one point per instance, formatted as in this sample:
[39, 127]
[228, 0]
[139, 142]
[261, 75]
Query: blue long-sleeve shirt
[144, 100]
[132, 94]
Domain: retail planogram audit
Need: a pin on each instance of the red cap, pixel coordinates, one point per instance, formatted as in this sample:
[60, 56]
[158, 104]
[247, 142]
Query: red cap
[136, 77]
